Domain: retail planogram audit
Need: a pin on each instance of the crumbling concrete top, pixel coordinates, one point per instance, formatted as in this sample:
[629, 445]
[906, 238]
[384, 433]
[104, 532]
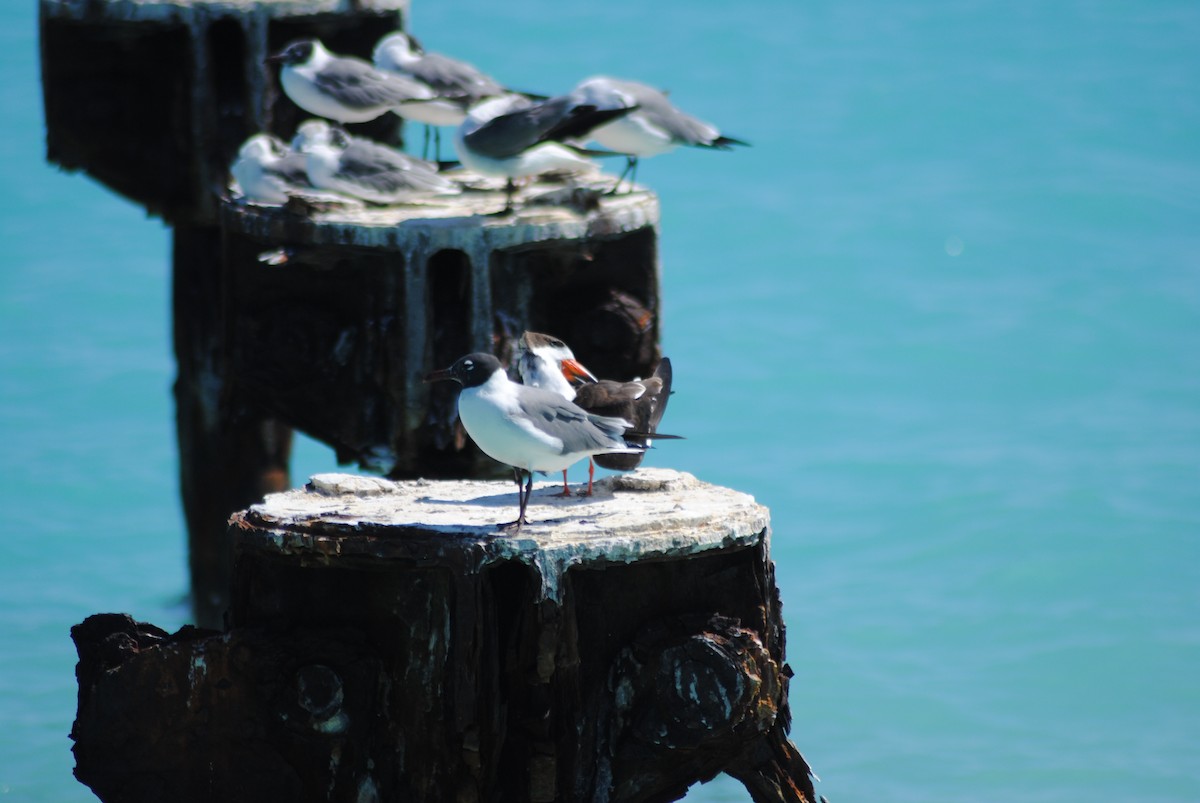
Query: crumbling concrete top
[646, 514]
[544, 210]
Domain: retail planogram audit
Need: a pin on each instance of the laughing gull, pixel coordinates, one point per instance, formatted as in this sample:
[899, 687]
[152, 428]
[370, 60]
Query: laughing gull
[342, 88]
[456, 84]
[546, 362]
[527, 428]
[364, 169]
[514, 137]
[656, 127]
[267, 171]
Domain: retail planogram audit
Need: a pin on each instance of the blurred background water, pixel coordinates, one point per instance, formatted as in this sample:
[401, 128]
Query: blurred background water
[943, 318]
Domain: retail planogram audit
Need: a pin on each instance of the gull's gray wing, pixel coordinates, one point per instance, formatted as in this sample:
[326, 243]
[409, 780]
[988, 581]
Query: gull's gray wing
[357, 84]
[388, 170]
[681, 127]
[454, 78]
[290, 168]
[578, 430]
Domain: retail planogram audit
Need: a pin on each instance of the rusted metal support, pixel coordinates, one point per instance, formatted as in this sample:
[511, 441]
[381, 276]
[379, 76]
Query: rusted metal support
[387, 644]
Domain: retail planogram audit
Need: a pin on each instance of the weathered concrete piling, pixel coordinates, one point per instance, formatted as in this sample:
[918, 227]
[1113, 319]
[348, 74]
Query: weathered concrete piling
[153, 97]
[329, 319]
[386, 643]
[335, 340]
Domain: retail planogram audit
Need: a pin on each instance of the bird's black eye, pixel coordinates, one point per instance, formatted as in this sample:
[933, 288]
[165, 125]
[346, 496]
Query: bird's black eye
[558, 344]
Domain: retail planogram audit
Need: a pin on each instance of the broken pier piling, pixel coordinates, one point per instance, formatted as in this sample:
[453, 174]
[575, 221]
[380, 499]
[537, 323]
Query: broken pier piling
[153, 97]
[386, 643]
[329, 319]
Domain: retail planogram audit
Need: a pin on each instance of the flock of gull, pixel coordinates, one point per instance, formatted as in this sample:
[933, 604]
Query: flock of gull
[500, 133]
[559, 413]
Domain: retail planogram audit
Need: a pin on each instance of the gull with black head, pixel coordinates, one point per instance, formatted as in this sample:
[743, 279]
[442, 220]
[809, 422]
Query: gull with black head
[344, 89]
[528, 428]
[456, 84]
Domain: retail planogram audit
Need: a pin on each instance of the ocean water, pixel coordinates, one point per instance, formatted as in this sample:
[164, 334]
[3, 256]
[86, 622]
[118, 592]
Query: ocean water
[943, 318]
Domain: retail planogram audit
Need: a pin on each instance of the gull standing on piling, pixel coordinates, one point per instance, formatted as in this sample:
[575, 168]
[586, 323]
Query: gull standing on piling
[514, 137]
[528, 428]
[656, 127]
[343, 88]
[456, 85]
[547, 362]
[361, 168]
[267, 171]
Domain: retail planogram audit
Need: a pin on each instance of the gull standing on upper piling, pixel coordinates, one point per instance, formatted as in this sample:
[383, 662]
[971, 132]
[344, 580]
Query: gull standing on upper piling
[547, 362]
[456, 85]
[364, 169]
[342, 88]
[514, 137]
[528, 428]
[267, 171]
[656, 127]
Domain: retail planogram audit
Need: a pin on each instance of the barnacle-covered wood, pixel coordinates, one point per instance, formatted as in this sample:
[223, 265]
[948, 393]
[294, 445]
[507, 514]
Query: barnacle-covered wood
[388, 643]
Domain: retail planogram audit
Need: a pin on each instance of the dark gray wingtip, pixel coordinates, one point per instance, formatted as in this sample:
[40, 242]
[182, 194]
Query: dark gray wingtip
[724, 143]
[663, 372]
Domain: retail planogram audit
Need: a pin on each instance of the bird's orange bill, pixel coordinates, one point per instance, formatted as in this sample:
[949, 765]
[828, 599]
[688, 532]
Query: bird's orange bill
[574, 371]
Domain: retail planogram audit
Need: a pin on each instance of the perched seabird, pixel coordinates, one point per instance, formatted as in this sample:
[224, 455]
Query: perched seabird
[514, 137]
[656, 127]
[528, 428]
[358, 167]
[268, 171]
[342, 88]
[547, 362]
[456, 85]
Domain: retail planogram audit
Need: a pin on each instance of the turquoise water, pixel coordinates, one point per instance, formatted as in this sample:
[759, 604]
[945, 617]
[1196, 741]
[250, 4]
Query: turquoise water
[943, 318]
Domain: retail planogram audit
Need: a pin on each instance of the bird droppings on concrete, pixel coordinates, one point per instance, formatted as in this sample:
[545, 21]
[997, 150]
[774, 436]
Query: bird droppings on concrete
[651, 510]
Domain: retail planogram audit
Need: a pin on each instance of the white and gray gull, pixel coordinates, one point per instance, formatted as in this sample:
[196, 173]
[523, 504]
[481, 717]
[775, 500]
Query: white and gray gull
[528, 428]
[343, 88]
[361, 168]
[656, 127]
[267, 171]
[456, 85]
[515, 137]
